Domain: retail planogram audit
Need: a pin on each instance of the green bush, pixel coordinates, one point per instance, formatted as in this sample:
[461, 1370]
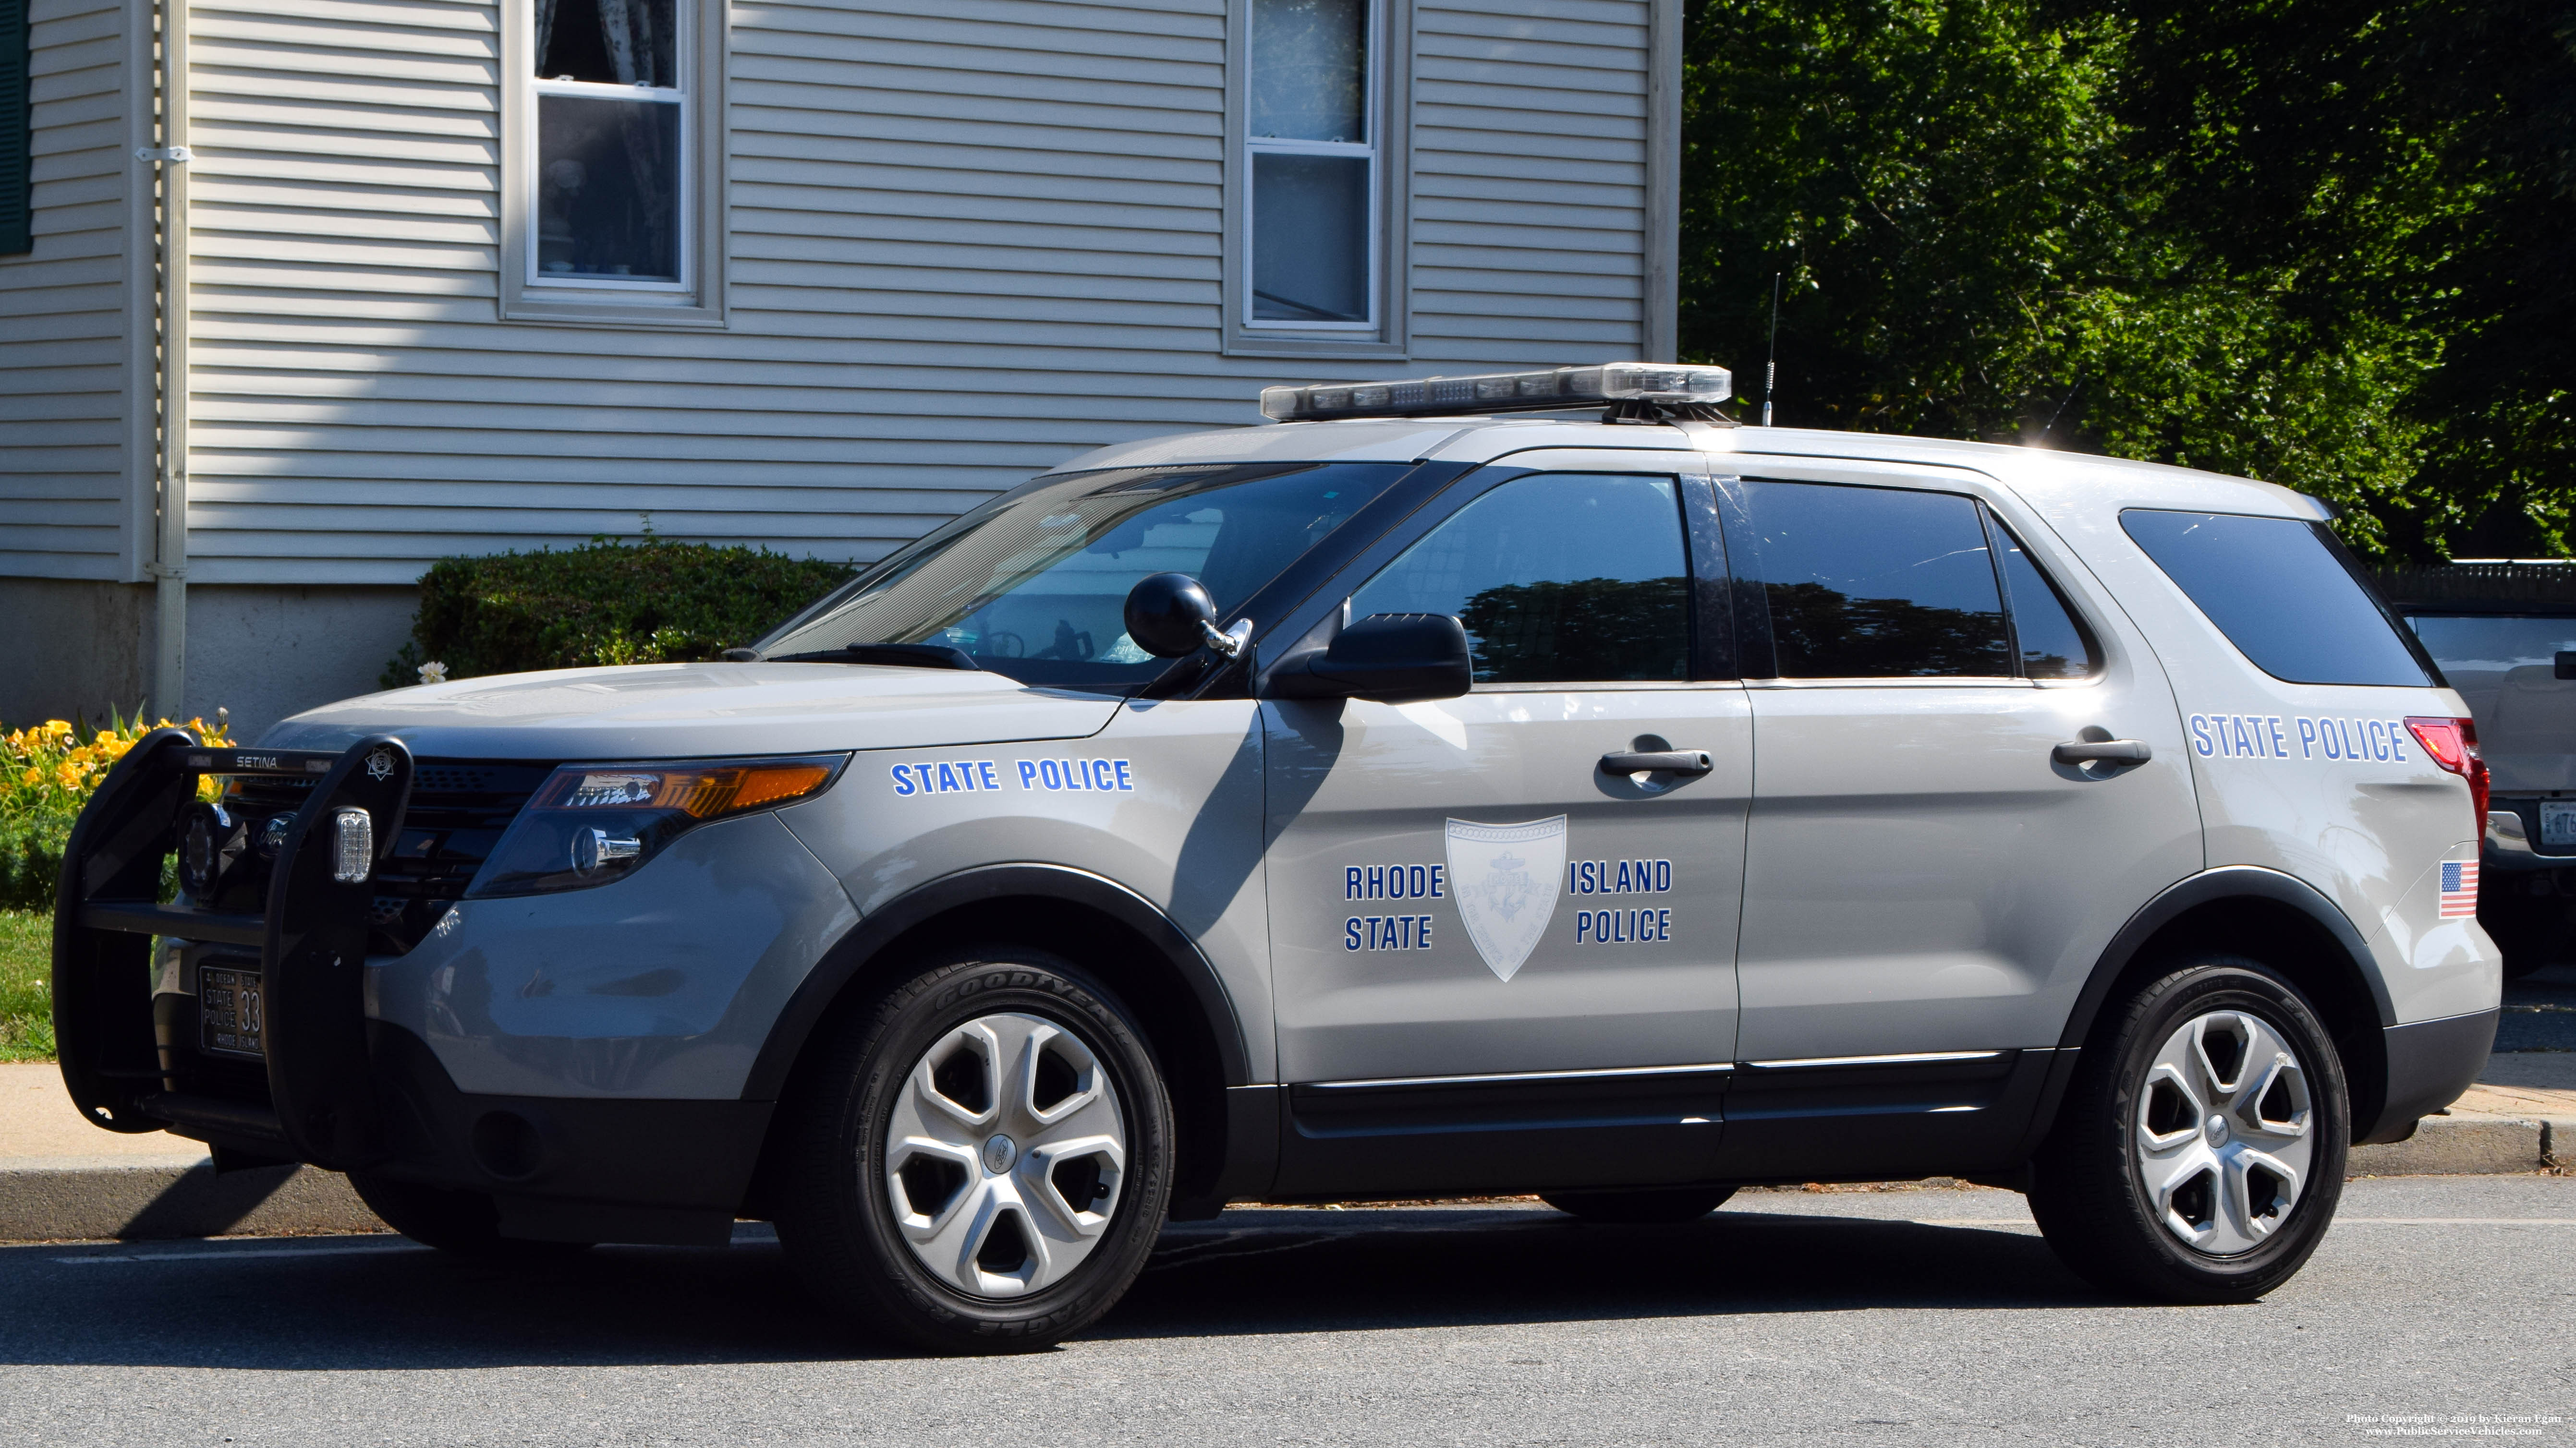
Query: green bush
[612, 602]
[31, 860]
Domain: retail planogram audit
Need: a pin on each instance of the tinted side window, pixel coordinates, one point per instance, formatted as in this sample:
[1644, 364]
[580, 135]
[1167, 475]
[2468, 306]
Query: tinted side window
[2051, 642]
[2276, 589]
[1559, 578]
[1870, 583]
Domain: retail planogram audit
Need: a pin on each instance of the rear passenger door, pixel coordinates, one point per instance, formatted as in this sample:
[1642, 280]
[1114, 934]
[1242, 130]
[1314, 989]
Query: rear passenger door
[1926, 887]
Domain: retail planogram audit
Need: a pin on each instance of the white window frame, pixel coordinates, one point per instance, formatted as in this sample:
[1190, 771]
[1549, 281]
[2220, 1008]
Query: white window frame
[700, 50]
[1389, 151]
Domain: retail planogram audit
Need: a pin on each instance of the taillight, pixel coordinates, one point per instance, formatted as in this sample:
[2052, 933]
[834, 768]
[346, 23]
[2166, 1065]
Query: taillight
[2453, 744]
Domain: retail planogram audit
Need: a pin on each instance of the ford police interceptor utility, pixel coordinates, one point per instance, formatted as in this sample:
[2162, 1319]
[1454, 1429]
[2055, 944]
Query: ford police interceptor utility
[1409, 799]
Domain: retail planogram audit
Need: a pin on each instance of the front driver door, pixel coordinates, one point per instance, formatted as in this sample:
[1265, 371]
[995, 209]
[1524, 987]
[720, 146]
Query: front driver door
[1495, 961]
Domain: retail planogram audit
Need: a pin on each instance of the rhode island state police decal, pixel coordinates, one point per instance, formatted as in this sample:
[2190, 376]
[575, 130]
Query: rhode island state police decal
[1505, 878]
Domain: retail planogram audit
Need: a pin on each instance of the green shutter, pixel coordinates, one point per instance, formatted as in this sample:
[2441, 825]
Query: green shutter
[17, 142]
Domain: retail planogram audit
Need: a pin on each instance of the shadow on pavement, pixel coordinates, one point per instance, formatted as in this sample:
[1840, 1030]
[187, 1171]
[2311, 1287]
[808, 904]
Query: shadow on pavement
[356, 1305]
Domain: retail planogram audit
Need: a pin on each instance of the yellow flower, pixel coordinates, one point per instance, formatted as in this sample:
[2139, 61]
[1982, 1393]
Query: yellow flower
[59, 728]
[32, 776]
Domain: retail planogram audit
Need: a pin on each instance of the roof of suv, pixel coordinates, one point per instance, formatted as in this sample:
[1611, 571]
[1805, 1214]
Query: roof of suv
[2035, 472]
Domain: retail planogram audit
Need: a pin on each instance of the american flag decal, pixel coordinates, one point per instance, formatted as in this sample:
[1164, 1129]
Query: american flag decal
[2459, 889]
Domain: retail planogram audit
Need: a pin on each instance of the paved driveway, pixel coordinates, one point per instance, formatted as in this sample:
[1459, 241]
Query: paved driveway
[1893, 1317]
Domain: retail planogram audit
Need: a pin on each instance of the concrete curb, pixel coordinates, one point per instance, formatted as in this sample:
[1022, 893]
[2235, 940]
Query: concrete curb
[99, 1198]
[2467, 1146]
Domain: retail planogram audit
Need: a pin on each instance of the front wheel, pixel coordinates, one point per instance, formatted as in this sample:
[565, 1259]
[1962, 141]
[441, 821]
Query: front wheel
[981, 1164]
[2199, 1153]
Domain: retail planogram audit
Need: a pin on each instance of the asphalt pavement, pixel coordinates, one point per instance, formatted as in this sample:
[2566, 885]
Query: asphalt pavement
[2539, 1011]
[1892, 1317]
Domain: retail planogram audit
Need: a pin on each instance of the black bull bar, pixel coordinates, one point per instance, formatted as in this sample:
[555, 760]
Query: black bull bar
[311, 936]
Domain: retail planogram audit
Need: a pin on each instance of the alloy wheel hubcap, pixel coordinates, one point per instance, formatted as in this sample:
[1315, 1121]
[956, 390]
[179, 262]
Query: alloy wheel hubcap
[2225, 1132]
[1004, 1155]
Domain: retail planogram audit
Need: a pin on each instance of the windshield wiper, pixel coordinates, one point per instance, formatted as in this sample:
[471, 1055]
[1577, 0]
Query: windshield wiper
[915, 656]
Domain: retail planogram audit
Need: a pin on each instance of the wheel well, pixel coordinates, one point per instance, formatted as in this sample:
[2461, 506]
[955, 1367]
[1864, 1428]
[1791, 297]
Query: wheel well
[1144, 978]
[2300, 947]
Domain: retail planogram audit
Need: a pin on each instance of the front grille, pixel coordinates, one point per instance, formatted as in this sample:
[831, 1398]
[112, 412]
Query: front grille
[457, 813]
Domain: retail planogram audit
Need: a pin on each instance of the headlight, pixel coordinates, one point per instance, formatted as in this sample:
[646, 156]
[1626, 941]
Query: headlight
[589, 824]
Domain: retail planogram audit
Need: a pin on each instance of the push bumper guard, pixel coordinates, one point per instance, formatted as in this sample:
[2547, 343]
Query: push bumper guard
[310, 936]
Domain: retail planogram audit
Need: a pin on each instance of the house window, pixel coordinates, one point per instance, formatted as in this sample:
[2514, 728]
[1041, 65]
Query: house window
[611, 173]
[614, 159]
[1312, 175]
[1311, 134]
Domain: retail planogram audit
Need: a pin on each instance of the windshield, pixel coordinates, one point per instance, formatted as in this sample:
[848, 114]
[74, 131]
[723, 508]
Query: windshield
[1034, 584]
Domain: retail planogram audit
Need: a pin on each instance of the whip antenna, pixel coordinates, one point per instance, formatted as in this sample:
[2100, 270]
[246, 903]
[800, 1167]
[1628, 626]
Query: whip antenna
[1771, 365]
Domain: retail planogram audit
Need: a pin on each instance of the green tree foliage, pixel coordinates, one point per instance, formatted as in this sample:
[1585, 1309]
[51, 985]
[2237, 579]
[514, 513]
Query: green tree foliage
[2255, 238]
[2404, 167]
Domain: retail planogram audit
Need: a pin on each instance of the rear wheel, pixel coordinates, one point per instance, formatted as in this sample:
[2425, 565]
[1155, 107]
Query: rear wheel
[2199, 1153]
[464, 1223]
[1659, 1204]
[981, 1164]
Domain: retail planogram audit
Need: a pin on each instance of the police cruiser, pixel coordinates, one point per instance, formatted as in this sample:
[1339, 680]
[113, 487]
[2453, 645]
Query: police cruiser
[1516, 783]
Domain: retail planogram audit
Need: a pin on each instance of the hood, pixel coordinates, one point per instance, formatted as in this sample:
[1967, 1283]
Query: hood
[681, 711]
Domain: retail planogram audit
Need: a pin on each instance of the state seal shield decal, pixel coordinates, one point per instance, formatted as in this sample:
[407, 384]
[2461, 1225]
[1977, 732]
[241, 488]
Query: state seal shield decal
[1505, 879]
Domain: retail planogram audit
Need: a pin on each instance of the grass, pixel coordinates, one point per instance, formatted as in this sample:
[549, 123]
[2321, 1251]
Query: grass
[26, 985]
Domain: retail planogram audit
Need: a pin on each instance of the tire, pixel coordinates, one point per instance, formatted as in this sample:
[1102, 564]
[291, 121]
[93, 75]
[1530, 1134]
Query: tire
[1661, 1204]
[936, 1159]
[2184, 1166]
[463, 1223]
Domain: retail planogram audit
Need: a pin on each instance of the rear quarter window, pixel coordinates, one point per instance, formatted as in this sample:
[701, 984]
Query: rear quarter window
[2280, 590]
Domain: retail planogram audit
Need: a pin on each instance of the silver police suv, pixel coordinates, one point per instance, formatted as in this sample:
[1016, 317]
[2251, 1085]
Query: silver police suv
[1415, 798]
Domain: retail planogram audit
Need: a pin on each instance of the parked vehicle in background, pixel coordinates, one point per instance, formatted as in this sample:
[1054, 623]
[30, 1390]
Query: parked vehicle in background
[2504, 632]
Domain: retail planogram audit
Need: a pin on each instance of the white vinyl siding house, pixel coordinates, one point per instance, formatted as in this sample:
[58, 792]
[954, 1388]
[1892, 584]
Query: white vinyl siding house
[926, 249]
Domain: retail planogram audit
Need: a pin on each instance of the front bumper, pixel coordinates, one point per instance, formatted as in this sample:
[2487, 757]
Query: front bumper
[328, 1084]
[569, 1169]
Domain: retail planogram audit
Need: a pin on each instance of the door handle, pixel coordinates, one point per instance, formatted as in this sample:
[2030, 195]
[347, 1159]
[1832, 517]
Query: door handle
[1669, 761]
[2103, 751]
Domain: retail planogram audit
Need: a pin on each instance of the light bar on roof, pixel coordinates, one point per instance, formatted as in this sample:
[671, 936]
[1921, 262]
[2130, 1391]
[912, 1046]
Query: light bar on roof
[1556, 388]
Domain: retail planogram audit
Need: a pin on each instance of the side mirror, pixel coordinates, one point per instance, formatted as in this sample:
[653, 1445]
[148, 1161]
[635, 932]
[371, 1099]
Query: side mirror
[1170, 615]
[1391, 658]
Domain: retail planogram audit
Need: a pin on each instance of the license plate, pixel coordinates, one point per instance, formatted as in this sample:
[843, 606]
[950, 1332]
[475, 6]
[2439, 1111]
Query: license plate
[2558, 821]
[231, 1014]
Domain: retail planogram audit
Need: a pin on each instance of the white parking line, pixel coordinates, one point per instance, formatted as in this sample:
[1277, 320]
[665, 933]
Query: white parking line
[2455, 1221]
[233, 1253]
[2339, 1221]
